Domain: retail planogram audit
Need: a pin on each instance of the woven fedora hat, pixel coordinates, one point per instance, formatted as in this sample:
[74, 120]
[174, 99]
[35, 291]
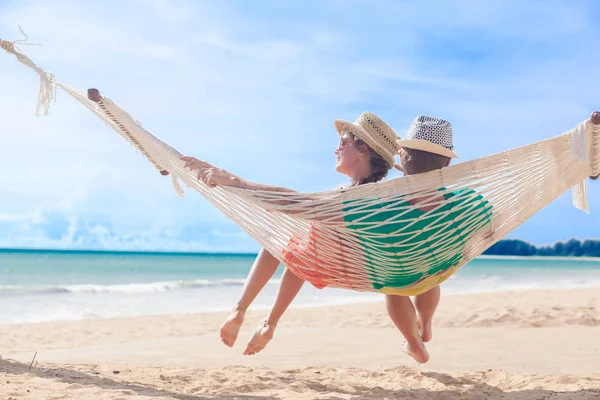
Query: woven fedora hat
[374, 132]
[430, 134]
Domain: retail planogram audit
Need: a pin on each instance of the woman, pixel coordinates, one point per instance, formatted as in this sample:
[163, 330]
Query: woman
[365, 154]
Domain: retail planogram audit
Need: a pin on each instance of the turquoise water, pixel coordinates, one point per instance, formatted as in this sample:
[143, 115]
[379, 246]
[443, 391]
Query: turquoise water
[67, 285]
[33, 268]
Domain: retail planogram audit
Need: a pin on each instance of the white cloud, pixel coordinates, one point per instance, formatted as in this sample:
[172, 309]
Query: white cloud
[12, 218]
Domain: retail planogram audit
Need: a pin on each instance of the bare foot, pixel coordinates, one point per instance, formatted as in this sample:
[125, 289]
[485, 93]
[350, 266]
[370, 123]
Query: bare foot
[420, 354]
[425, 329]
[231, 327]
[261, 338]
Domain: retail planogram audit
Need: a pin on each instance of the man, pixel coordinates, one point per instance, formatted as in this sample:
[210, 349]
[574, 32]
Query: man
[428, 146]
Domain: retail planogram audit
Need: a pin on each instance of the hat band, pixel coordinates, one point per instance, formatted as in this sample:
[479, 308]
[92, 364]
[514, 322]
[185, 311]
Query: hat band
[426, 145]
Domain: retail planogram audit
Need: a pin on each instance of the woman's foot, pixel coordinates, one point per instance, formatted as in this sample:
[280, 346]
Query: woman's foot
[261, 338]
[231, 327]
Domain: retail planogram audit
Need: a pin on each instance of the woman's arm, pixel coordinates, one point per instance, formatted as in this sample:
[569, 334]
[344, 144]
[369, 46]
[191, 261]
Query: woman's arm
[259, 186]
[213, 177]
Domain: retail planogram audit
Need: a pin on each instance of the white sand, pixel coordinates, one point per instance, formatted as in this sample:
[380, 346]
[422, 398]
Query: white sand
[518, 345]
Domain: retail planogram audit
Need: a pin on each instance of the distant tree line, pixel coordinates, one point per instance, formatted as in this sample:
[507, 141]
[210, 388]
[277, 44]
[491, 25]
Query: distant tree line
[570, 248]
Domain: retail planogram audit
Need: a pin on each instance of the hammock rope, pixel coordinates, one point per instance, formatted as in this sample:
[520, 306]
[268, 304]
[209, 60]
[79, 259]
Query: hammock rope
[399, 236]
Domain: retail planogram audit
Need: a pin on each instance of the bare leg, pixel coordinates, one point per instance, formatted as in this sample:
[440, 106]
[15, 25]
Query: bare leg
[263, 269]
[402, 312]
[426, 305]
[288, 290]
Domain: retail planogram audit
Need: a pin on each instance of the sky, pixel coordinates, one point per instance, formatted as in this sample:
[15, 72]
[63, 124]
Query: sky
[254, 87]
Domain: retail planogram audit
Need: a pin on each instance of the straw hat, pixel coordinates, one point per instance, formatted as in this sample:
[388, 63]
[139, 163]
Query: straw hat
[374, 132]
[430, 134]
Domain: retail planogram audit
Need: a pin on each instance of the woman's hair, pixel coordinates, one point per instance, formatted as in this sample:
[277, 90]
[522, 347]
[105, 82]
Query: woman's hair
[379, 167]
[418, 161]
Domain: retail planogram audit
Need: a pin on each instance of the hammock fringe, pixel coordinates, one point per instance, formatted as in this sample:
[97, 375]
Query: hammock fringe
[580, 136]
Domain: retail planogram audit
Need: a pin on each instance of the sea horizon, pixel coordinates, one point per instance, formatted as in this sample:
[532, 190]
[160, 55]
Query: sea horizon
[231, 253]
[47, 285]
[122, 251]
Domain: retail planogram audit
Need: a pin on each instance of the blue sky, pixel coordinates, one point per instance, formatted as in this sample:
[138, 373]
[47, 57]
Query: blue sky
[254, 87]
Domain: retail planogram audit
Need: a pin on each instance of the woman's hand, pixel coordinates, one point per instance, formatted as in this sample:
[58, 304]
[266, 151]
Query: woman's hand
[400, 168]
[211, 175]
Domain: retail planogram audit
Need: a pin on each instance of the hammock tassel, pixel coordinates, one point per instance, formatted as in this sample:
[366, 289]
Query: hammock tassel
[47, 91]
[580, 200]
[46, 94]
[579, 148]
[177, 186]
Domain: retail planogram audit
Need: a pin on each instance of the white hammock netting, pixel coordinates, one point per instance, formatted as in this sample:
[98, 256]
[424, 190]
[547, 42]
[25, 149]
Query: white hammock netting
[400, 236]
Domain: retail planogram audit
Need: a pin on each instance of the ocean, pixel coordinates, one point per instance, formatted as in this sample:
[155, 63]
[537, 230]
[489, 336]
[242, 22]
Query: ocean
[37, 285]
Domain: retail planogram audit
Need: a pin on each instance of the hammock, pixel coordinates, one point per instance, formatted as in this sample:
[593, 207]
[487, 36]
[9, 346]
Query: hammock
[400, 236]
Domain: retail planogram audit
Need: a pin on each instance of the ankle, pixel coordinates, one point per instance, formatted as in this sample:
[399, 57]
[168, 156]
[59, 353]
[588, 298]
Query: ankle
[271, 322]
[238, 309]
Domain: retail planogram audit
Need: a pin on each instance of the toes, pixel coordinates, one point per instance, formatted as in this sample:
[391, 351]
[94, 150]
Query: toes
[229, 331]
[259, 341]
[226, 339]
[254, 346]
[421, 356]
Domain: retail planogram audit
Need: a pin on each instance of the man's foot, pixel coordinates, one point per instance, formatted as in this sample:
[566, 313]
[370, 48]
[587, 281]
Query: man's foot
[231, 327]
[261, 338]
[424, 329]
[420, 353]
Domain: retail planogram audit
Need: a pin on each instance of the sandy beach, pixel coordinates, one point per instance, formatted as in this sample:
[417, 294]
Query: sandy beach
[512, 345]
